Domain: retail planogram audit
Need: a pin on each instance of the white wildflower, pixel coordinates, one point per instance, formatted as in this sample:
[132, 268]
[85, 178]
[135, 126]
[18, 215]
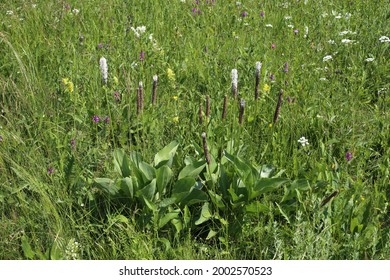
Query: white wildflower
[258, 67]
[348, 15]
[323, 79]
[303, 141]
[384, 39]
[287, 17]
[155, 77]
[238, 3]
[331, 42]
[9, 13]
[290, 26]
[345, 32]
[34, 6]
[269, 25]
[306, 32]
[347, 41]
[234, 77]
[75, 11]
[327, 57]
[104, 69]
[369, 59]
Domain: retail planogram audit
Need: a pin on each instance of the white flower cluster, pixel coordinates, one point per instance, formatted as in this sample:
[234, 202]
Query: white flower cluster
[234, 77]
[327, 57]
[72, 251]
[139, 30]
[384, 39]
[303, 141]
[104, 69]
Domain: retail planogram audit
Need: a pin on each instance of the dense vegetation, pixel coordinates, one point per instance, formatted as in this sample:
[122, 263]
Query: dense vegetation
[194, 129]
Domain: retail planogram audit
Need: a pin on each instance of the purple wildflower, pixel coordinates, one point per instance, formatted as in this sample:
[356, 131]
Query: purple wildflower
[117, 96]
[244, 14]
[95, 119]
[106, 120]
[296, 31]
[285, 70]
[142, 56]
[100, 45]
[273, 46]
[73, 143]
[348, 156]
[50, 170]
[272, 77]
[262, 13]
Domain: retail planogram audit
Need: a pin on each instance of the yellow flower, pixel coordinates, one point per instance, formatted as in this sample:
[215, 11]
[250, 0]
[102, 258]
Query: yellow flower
[266, 87]
[171, 75]
[175, 97]
[270, 125]
[175, 119]
[65, 81]
[70, 87]
[116, 80]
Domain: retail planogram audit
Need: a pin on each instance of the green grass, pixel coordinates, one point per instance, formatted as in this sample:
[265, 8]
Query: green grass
[341, 105]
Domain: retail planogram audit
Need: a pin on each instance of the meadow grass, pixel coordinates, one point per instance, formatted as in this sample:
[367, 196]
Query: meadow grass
[61, 122]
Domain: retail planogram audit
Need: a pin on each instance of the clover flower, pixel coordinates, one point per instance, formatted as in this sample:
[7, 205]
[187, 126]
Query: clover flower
[348, 156]
[95, 119]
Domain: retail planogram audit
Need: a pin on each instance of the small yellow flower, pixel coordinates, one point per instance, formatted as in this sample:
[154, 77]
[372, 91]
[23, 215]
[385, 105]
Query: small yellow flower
[171, 75]
[362, 198]
[175, 97]
[70, 87]
[175, 119]
[65, 81]
[270, 125]
[116, 80]
[266, 87]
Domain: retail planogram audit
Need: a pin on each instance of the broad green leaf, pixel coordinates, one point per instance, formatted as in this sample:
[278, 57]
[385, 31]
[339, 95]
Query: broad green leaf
[217, 200]
[121, 163]
[166, 202]
[256, 208]
[165, 155]
[168, 217]
[126, 186]
[205, 214]
[183, 185]
[150, 204]
[266, 185]
[148, 171]
[107, 185]
[27, 250]
[211, 234]
[244, 169]
[195, 196]
[148, 191]
[177, 224]
[163, 175]
[193, 169]
[55, 251]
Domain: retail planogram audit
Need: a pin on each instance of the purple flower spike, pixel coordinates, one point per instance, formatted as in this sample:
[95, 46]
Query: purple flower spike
[73, 143]
[262, 13]
[244, 14]
[348, 156]
[142, 56]
[95, 119]
[296, 31]
[117, 96]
